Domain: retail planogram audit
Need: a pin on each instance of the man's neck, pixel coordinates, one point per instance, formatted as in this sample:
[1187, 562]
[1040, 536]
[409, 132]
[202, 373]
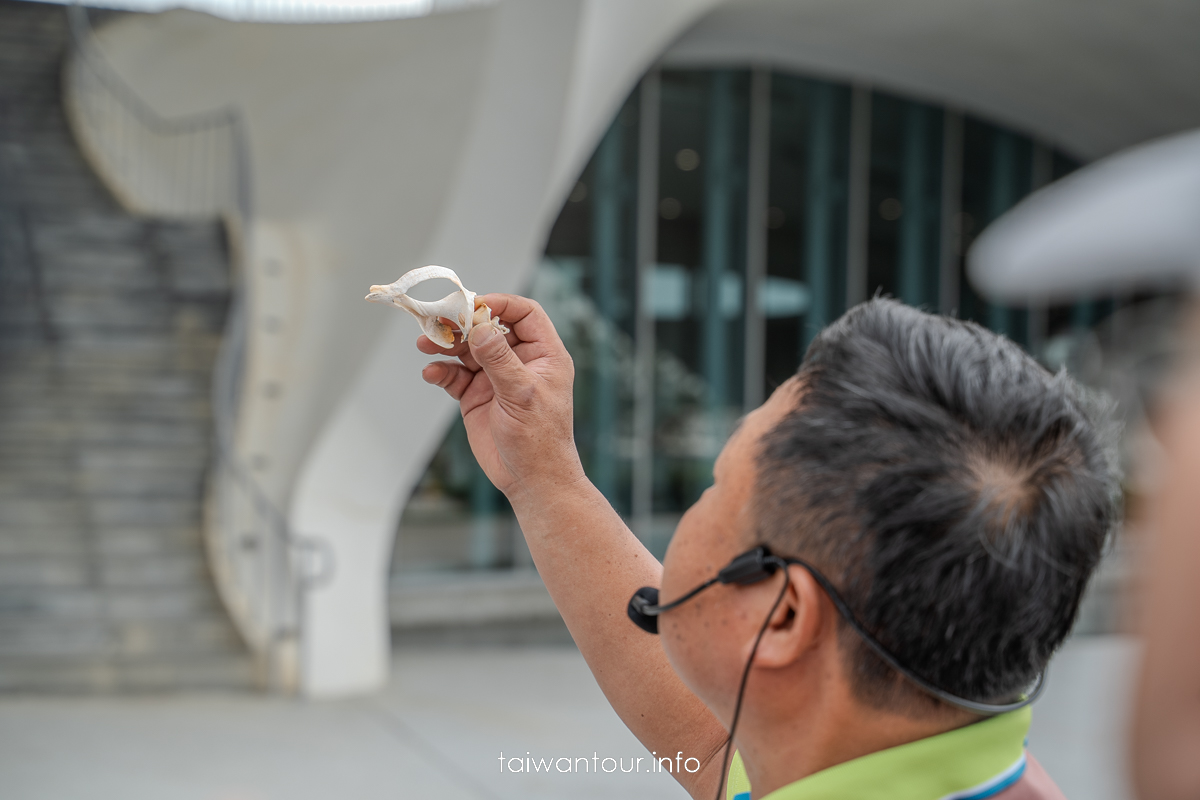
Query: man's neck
[834, 727]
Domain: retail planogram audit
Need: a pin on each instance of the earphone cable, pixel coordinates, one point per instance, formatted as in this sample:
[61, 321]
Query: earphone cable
[737, 708]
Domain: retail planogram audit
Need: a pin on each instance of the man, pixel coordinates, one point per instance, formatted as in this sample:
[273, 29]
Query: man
[954, 496]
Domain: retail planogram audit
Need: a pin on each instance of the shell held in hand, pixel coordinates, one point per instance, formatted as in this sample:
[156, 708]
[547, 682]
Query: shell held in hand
[460, 308]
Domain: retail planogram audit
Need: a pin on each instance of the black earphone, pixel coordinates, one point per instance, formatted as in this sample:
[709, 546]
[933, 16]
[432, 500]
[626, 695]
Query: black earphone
[760, 563]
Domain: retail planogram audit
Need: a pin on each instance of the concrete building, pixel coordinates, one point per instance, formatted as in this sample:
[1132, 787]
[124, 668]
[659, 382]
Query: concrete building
[691, 188]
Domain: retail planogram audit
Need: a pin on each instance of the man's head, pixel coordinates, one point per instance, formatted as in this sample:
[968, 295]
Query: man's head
[956, 492]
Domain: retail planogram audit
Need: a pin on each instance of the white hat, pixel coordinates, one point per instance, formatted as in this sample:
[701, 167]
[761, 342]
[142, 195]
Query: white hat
[1128, 221]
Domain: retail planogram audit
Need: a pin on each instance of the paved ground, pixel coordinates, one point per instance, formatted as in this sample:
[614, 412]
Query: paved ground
[438, 732]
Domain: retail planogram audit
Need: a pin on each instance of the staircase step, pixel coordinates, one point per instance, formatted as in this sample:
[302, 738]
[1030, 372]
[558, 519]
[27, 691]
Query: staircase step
[156, 512]
[66, 542]
[108, 409]
[42, 638]
[105, 676]
[122, 542]
[41, 480]
[58, 392]
[45, 572]
[128, 572]
[82, 569]
[92, 229]
[114, 604]
[35, 514]
[125, 542]
[163, 604]
[34, 602]
[136, 310]
[52, 441]
[102, 276]
[135, 354]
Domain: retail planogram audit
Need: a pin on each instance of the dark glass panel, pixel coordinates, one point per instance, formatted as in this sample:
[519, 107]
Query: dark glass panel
[455, 519]
[905, 200]
[1081, 315]
[603, 395]
[699, 280]
[828, 163]
[788, 175]
[997, 173]
[806, 219]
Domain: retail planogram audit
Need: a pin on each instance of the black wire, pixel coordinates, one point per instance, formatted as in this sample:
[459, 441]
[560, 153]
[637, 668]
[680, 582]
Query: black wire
[737, 709]
[975, 707]
[658, 609]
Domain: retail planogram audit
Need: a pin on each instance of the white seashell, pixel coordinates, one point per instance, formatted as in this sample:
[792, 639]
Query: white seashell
[461, 307]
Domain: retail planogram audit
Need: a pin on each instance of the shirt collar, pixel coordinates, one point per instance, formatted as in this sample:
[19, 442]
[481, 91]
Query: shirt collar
[968, 763]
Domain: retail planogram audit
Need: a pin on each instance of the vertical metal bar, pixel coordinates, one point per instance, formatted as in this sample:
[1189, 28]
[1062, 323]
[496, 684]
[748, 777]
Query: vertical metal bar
[1037, 319]
[757, 198]
[1083, 315]
[606, 262]
[914, 169]
[481, 551]
[1041, 166]
[858, 196]
[817, 257]
[1036, 324]
[951, 235]
[717, 243]
[483, 520]
[1003, 196]
[644, 345]
[1117, 324]
[37, 284]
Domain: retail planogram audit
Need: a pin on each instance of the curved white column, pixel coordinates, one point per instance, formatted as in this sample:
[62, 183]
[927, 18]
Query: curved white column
[534, 129]
[377, 147]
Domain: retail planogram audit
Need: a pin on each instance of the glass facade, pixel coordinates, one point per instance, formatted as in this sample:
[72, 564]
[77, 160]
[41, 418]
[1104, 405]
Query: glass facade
[726, 217]
[804, 286]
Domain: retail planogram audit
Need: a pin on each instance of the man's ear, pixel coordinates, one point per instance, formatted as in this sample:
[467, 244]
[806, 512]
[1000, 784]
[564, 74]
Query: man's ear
[799, 624]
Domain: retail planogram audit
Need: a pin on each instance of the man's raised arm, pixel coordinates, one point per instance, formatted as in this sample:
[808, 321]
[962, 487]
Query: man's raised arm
[515, 394]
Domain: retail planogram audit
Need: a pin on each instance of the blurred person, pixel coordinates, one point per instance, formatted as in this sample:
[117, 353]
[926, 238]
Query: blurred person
[1166, 731]
[1132, 221]
[902, 533]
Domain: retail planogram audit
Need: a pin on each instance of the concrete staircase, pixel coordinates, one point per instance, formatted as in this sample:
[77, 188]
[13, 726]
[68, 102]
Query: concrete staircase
[109, 326]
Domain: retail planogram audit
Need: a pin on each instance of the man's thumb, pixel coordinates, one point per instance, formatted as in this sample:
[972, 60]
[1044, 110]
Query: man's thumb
[498, 360]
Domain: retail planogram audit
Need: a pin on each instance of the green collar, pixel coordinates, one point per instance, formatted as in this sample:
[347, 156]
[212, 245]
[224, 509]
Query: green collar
[969, 763]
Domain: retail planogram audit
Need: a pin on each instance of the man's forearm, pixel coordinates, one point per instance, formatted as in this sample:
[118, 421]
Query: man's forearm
[592, 563]
[515, 391]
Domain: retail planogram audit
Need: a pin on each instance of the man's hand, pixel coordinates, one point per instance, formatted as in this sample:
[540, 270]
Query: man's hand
[514, 392]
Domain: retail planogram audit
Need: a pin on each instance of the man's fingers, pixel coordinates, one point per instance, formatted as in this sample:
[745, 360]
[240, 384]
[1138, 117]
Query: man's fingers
[526, 318]
[431, 348]
[510, 378]
[460, 349]
[449, 375]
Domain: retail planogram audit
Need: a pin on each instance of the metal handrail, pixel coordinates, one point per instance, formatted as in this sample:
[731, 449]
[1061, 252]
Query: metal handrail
[123, 129]
[262, 571]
